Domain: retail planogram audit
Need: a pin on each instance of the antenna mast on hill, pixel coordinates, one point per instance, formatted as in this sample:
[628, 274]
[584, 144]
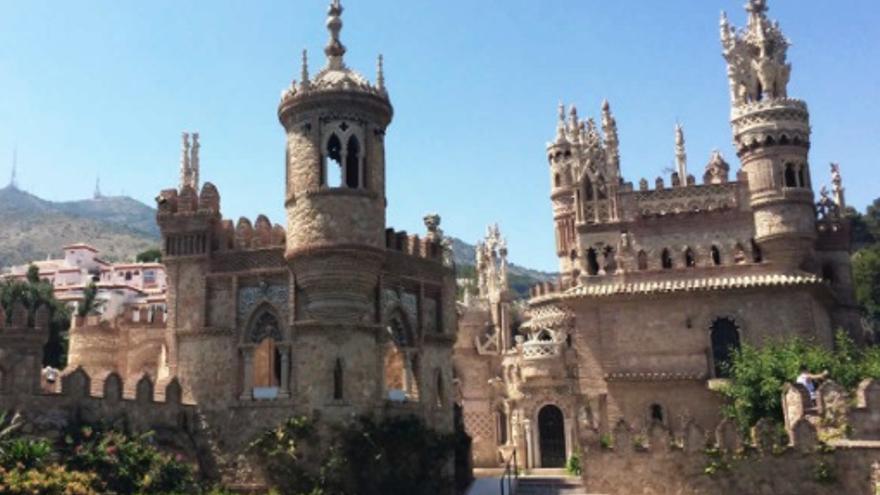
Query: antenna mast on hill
[13, 182]
[98, 187]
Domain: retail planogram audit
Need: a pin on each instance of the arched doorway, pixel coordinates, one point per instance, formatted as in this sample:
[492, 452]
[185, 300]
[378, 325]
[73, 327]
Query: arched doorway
[551, 433]
[725, 342]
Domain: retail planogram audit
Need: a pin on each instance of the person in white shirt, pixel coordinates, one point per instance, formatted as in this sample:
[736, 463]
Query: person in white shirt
[807, 379]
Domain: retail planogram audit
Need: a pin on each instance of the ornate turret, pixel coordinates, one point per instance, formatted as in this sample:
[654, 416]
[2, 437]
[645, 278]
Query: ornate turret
[335, 200]
[680, 155]
[771, 133]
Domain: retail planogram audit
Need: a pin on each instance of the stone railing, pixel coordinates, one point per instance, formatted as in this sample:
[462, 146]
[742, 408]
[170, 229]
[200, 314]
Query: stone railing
[537, 349]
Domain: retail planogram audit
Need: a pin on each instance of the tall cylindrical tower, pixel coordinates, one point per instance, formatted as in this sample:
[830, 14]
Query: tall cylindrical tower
[335, 201]
[771, 133]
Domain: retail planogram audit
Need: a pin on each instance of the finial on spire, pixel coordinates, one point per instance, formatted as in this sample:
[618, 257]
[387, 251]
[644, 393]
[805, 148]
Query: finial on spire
[185, 171]
[304, 71]
[837, 186]
[380, 73]
[194, 161]
[334, 49]
[680, 154]
[756, 7]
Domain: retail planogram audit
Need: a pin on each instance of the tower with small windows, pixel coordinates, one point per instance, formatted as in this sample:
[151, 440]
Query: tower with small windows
[771, 133]
[335, 191]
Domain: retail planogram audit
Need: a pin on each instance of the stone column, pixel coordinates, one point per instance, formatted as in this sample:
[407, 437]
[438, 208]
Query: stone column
[247, 392]
[530, 447]
[569, 430]
[284, 393]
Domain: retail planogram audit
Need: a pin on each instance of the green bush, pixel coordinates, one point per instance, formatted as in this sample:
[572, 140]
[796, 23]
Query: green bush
[573, 466]
[50, 480]
[24, 453]
[757, 374]
[366, 457]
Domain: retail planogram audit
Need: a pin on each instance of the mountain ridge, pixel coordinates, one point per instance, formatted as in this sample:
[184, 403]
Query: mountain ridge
[121, 227]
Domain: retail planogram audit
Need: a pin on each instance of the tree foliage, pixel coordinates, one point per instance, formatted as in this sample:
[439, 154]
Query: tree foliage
[366, 457]
[757, 374]
[34, 293]
[153, 255]
[866, 278]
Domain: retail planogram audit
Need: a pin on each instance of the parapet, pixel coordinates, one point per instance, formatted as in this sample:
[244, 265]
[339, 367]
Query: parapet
[19, 321]
[835, 412]
[413, 245]
[188, 201]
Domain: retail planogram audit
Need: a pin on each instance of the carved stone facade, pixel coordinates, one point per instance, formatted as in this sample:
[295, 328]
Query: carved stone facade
[658, 284]
[333, 315]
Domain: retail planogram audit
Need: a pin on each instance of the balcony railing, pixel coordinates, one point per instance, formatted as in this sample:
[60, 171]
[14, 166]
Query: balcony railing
[538, 349]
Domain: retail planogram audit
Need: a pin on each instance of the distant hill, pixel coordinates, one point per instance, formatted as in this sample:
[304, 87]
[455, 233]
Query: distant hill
[121, 227]
[33, 228]
[520, 278]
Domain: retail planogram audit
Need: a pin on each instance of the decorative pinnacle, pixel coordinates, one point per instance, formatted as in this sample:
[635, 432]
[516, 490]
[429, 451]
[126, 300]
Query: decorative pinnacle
[304, 72]
[756, 6]
[380, 73]
[334, 49]
[680, 153]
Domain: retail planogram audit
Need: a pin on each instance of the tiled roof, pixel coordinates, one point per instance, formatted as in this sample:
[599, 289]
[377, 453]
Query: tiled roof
[653, 377]
[689, 285]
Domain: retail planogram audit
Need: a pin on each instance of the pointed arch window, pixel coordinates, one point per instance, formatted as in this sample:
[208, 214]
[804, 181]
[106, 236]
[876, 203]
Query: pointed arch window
[592, 262]
[716, 256]
[725, 340]
[690, 260]
[643, 260]
[790, 176]
[338, 384]
[757, 255]
[588, 189]
[332, 169]
[353, 163]
[666, 259]
[802, 182]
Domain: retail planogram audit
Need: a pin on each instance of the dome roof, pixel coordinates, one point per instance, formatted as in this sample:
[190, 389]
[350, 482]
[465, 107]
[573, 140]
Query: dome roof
[335, 75]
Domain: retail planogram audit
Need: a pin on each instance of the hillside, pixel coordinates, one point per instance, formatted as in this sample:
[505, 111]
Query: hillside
[120, 227]
[33, 228]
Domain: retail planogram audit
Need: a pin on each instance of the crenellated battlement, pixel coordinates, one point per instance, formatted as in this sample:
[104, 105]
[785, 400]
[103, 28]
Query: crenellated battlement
[413, 245]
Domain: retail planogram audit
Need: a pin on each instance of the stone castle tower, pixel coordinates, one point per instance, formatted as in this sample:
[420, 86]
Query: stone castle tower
[334, 313]
[772, 137]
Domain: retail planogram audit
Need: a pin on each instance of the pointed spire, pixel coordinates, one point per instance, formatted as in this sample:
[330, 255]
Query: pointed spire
[380, 73]
[13, 180]
[334, 50]
[194, 161]
[304, 71]
[612, 143]
[837, 186]
[184, 160]
[573, 119]
[560, 125]
[680, 154]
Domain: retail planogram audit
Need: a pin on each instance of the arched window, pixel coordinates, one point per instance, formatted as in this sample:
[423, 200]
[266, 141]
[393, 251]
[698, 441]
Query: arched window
[739, 254]
[790, 177]
[690, 260]
[501, 428]
[338, 384]
[265, 333]
[440, 392]
[643, 260]
[666, 259]
[828, 272]
[592, 262]
[757, 256]
[601, 188]
[557, 181]
[353, 163]
[545, 336]
[401, 363]
[802, 176]
[725, 343]
[332, 176]
[716, 256]
[610, 260]
[656, 413]
[588, 189]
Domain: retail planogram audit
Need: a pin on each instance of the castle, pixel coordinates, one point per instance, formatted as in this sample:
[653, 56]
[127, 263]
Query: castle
[658, 285]
[334, 315]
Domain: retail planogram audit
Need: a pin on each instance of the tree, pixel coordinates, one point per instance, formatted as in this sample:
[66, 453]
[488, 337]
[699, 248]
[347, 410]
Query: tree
[866, 278]
[33, 294]
[860, 230]
[89, 302]
[153, 255]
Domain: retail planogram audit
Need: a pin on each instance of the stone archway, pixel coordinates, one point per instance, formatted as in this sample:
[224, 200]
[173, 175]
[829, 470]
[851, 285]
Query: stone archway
[551, 437]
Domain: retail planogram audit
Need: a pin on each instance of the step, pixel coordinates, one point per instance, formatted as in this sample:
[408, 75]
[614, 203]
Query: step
[550, 485]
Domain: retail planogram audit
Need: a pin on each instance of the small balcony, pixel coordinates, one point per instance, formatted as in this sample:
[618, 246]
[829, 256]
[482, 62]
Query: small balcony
[539, 349]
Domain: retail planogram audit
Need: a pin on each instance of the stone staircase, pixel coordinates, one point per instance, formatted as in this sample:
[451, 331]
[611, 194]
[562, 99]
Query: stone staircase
[550, 482]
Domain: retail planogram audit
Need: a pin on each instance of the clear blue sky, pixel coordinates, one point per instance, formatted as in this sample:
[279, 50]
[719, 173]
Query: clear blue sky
[106, 86]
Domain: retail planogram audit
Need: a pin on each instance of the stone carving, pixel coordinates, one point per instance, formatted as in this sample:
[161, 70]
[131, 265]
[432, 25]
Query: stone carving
[249, 298]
